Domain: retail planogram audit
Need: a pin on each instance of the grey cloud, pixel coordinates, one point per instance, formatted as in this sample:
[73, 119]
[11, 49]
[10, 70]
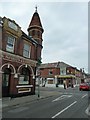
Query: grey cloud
[66, 25]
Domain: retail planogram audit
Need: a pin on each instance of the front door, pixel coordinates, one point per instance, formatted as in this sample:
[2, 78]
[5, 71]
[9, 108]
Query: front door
[6, 82]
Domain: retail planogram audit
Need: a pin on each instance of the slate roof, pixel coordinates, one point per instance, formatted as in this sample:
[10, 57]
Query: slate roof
[54, 65]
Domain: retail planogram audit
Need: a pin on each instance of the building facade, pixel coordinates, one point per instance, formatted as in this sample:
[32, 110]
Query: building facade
[19, 55]
[55, 74]
[48, 72]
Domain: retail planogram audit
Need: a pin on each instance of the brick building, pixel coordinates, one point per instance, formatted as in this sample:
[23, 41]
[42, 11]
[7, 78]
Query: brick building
[48, 72]
[54, 74]
[19, 55]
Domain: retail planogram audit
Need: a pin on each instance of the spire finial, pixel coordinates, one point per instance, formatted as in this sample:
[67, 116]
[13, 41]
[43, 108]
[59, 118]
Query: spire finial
[36, 8]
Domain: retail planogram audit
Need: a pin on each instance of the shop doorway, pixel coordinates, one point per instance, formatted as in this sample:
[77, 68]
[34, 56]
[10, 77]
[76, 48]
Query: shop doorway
[6, 82]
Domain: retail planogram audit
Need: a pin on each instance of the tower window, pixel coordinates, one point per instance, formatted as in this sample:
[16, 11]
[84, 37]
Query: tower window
[33, 32]
[38, 33]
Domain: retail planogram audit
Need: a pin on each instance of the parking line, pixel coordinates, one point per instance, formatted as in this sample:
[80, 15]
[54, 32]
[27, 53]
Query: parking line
[84, 95]
[62, 97]
[64, 109]
[87, 111]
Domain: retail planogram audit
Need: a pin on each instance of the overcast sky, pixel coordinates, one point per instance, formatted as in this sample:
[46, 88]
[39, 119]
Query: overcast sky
[65, 24]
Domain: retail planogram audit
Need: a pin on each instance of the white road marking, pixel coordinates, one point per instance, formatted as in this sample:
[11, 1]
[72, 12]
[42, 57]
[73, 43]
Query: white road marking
[67, 93]
[64, 109]
[62, 97]
[84, 95]
[87, 111]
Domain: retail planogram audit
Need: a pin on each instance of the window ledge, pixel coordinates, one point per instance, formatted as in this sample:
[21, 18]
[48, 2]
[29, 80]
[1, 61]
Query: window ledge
[21, 86]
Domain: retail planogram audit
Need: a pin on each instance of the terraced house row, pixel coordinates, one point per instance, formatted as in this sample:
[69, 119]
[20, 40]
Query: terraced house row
[19, 55]
[56, 73]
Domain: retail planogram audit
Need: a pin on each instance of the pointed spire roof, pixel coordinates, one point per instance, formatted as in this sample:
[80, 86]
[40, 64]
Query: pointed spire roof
[35, 21]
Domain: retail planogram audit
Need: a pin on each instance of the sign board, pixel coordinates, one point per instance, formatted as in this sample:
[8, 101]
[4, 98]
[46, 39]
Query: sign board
[22, 90]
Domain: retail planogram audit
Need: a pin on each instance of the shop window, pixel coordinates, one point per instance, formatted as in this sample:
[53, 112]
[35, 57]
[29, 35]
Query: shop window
[24, 77]
[26, 50]
[10, 44]
[50, 81]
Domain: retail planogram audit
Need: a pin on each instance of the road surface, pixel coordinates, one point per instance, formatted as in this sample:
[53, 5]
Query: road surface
[69, 103]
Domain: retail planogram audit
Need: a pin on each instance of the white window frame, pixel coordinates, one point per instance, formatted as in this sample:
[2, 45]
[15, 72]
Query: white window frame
[21, 80]
[28, 51]
[10, 45]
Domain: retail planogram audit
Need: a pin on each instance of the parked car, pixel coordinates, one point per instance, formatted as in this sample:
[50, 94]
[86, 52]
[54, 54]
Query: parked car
[84, 86]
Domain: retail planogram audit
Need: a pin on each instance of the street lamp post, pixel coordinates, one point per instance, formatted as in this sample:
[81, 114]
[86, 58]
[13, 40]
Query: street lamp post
[38, 86]
[38, 74]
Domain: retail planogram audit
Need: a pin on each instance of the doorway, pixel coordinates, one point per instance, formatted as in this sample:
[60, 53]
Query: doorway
[6, 82]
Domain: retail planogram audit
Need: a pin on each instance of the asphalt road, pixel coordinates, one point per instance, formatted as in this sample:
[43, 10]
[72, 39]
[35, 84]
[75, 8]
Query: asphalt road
[69, 103]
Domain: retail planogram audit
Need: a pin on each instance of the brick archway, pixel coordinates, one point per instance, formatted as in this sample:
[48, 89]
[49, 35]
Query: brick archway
[7, 65]
[27, 66]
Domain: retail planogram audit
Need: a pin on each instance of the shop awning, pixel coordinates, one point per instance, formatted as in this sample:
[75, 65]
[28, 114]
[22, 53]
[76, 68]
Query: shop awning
[65, 76]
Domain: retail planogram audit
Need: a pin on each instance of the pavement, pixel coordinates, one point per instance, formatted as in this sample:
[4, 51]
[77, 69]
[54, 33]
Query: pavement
[8, 102]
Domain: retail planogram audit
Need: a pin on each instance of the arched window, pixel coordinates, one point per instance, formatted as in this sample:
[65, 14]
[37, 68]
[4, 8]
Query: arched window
[24, 77]
[38, 33]
[6, 77]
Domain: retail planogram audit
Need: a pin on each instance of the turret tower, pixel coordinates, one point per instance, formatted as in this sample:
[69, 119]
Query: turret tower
[36, 30]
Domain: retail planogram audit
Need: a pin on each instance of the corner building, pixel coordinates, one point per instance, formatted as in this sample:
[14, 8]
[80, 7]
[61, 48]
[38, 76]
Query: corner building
[19, 54]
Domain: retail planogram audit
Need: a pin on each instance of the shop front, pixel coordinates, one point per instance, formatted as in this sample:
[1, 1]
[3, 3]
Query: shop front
[16, 84]
[18, 78]
[68, 79]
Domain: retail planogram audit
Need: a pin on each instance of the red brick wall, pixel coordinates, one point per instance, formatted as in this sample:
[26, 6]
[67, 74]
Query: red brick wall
[71, 70]
[33, 52]
[45, 72]
[4, 36]
[18, 48]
